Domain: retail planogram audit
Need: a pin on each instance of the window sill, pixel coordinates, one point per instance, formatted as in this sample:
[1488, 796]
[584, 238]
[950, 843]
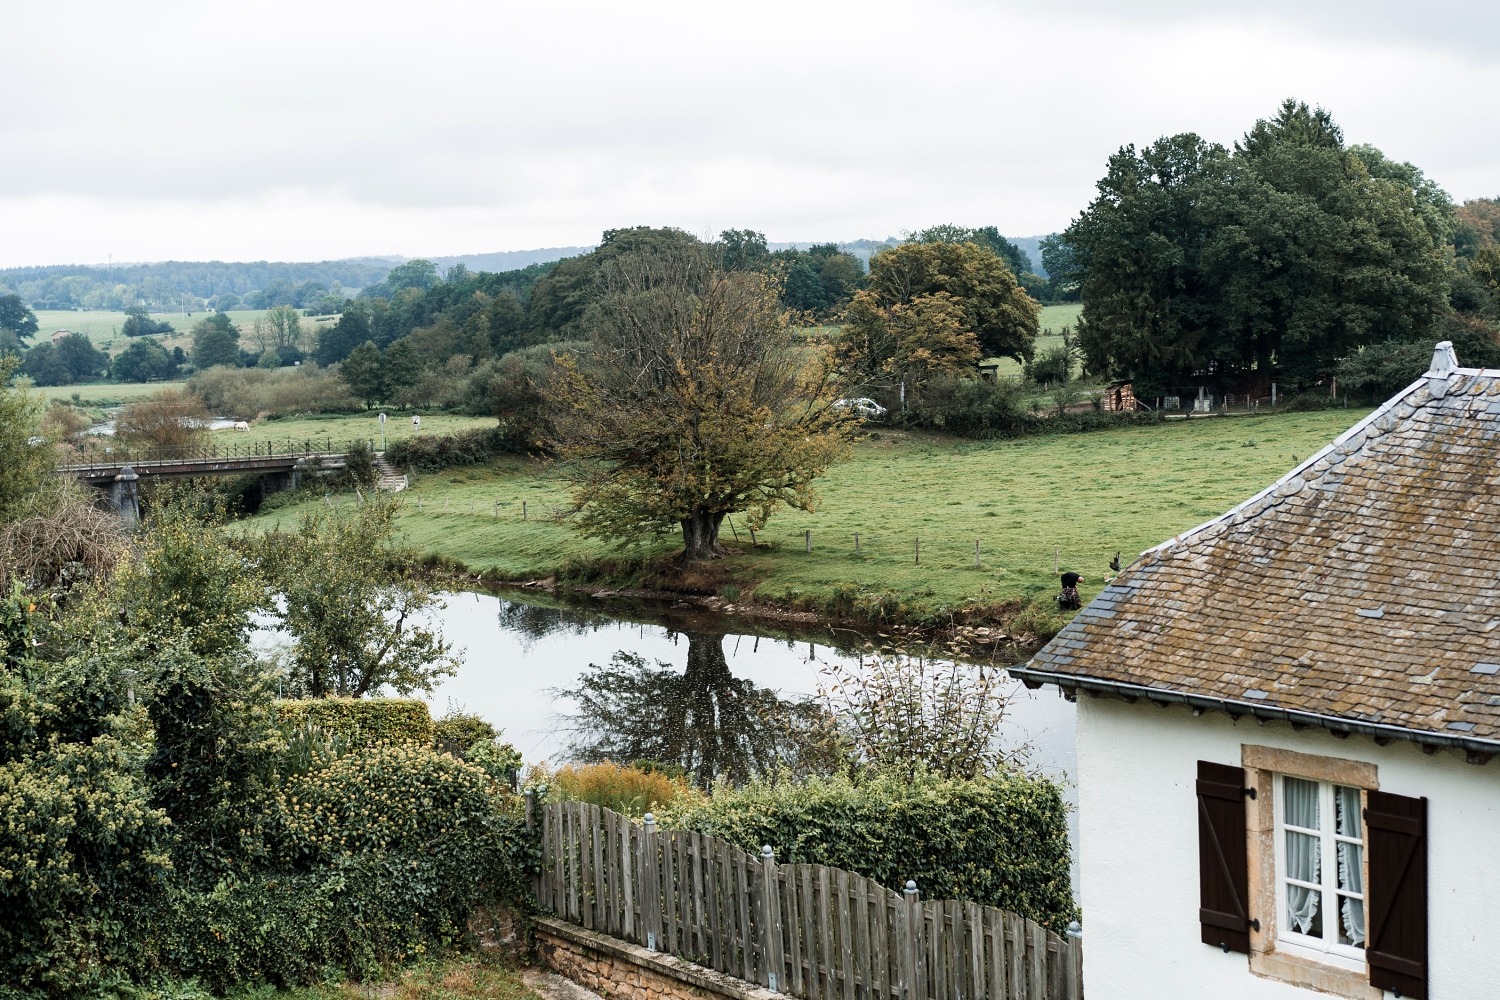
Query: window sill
[1286, 967]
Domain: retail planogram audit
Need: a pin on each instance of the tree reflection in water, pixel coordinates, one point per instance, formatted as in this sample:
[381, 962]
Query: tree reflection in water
[704, 720]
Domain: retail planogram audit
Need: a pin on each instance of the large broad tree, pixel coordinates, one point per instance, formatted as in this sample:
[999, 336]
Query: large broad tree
[216, 341]
[1138, 249]
[998, 311]
[17, 317]
[693, 402]
[1277, 259]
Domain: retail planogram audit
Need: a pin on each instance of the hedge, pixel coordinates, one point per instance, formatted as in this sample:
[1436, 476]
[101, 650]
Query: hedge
[1001, 841]
[361, 722]
[434, 452]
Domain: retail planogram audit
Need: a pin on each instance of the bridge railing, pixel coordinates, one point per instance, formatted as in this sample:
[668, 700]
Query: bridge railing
[109, 452]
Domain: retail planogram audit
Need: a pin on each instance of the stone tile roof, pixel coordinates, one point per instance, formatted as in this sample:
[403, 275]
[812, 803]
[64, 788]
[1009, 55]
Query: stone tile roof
[1364, 584]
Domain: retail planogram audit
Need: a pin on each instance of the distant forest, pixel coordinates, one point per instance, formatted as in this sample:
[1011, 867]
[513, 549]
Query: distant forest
[319, 287]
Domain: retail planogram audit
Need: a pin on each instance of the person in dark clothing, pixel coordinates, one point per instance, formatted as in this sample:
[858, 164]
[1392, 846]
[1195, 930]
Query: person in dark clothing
[1069, 600]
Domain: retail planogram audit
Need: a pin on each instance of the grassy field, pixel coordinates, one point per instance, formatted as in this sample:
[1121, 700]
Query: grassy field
[356, 426]
[107, 393]
[102, 326]
[1034, 505]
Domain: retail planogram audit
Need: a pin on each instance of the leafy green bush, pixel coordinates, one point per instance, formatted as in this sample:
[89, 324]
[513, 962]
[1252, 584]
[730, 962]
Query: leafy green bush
[1001, 841]
[434, 452]
[976, 409]
[360, 722]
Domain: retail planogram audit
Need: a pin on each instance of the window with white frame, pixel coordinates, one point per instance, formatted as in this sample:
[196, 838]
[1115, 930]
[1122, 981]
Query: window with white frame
[1320, 877]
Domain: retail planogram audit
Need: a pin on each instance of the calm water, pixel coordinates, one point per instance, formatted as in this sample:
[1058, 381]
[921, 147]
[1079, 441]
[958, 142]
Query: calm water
[519, 657]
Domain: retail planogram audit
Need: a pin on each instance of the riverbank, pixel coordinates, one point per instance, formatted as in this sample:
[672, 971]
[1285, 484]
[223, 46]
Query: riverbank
[915, 528]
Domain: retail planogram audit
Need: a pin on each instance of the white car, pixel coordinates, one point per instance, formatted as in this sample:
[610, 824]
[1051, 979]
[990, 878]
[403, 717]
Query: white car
[863, 407]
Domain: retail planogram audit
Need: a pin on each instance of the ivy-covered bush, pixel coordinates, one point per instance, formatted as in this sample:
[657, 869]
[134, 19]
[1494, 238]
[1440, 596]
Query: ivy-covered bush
[378, 857]
[434, 452]
[1001, 841]
[360, 722]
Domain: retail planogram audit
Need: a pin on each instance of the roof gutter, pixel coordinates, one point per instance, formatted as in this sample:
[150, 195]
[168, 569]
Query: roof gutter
[1475, 751]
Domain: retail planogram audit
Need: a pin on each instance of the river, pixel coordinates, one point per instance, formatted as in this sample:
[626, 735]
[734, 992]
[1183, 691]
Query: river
[519, 656]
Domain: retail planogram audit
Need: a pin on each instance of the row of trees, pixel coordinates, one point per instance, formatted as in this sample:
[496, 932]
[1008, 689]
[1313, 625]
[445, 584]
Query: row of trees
[1278, 259]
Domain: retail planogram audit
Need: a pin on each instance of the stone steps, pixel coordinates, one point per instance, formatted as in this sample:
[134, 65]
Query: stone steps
[390, 480]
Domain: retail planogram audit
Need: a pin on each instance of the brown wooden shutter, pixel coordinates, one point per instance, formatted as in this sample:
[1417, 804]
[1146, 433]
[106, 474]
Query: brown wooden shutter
[1397, 945]
[1223, 879]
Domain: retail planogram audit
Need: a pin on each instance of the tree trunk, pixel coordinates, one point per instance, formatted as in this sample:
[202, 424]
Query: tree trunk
[700, 536]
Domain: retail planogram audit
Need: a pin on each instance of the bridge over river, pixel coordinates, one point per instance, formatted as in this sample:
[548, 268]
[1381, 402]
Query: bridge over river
[119, 471]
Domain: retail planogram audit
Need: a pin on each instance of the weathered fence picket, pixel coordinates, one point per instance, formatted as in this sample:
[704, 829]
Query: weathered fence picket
[805, 930]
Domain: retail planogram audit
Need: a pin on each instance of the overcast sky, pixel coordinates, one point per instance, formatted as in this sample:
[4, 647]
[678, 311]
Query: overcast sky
[306, 131]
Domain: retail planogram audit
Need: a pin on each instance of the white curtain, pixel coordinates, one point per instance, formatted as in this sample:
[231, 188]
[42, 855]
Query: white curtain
[1351, 865]
[1304, 855]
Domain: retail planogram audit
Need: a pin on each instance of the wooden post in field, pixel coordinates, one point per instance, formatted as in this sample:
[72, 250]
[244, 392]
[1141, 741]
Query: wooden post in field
[856, 543]
[807, 536]
[523, 510]
[497, 509]
[918, 560]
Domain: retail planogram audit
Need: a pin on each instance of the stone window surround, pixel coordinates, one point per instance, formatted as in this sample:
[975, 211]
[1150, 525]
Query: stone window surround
[1261, 765]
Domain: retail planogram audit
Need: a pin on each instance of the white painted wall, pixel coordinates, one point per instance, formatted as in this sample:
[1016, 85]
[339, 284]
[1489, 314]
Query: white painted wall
[1138, 825]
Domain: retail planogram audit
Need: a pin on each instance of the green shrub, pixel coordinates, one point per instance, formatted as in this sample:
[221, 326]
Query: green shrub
[1001, 841]
[360, 722]
[376, 857]
[435, 452]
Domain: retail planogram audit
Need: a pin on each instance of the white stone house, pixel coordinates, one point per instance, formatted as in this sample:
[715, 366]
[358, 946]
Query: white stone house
[1286, 721]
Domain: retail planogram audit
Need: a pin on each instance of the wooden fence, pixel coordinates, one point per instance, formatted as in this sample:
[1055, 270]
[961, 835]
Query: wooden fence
[810, 931]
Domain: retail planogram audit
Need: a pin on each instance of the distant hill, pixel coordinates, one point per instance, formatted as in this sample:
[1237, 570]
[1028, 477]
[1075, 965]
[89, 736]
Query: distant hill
[163, 285]
[1031, 246]
[507, 260]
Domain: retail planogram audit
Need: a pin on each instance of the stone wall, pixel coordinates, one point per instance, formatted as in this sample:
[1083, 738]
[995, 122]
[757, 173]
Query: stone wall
[620, 971]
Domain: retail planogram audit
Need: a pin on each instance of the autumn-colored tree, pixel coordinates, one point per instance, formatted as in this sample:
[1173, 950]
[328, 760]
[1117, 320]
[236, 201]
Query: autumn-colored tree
[910, 342]
[170, 419]
[693, 402]
[996, 309]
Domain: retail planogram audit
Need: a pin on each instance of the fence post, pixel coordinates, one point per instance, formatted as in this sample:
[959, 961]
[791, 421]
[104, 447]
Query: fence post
[523, 510]
[650, 884]
[913, 948]
[807, 536]
[772, 947]
[918, 559]
[856, 543]
[1072, 961]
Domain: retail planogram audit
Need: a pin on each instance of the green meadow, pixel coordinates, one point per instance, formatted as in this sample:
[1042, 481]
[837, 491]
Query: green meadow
[357, 426]
[918, 504]
[102, 326]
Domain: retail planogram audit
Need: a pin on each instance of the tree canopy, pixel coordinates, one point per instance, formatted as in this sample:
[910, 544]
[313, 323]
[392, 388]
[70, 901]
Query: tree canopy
[937, 308]
[17, 317]
[216, 341]
[1278, 258]
[693, 402]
